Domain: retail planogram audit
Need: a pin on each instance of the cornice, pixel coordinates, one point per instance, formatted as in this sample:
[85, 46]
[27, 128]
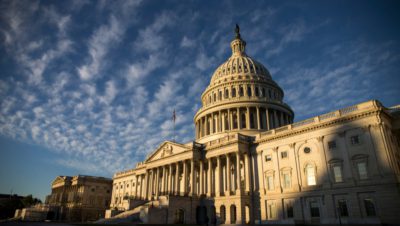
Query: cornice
[321, 125]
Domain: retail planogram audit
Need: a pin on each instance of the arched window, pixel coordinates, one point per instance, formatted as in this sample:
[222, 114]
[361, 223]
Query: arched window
[269, 94]
[263, 92]
[310, 175]
[215, 97]
[233, 92]
[223, 214]
[226, 94]
[249, 91]
[220, 95]
[257, 91]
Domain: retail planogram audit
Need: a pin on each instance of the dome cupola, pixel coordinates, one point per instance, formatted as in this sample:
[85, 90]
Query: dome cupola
[241, 97]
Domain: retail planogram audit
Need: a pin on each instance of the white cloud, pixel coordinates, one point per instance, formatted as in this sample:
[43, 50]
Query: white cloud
[100, 43]
[150, 38]
[186, 42]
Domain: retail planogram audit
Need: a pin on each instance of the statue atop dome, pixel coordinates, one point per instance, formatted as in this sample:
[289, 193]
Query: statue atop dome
[237, 31]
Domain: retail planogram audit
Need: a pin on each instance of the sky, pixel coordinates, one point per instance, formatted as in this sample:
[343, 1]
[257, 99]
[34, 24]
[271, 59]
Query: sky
[89, 87]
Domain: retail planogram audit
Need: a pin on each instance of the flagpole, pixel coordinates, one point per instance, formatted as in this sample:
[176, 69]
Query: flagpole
[173, 118]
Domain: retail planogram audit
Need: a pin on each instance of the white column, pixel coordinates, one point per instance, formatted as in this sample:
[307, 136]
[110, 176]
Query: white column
[170, 179]
[238, 118]
[228, 174]
[218, 177]
[261, 186]
[201, 178]
[212, 123]
[157, 181]
[185, 176]
[267, 119]
[237, 171]
[193, 184]
[247, 170]
[176, 189]
[247, 117]
[258, 118]
[230, 123]
[209, 177]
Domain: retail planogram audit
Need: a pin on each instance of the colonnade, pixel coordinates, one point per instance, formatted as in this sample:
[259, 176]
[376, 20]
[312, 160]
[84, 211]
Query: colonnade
[223, 175]
[258, 118]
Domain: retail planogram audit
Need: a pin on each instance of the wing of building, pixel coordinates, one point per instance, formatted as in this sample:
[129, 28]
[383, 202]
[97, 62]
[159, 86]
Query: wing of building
[250, 163]
[75, 199]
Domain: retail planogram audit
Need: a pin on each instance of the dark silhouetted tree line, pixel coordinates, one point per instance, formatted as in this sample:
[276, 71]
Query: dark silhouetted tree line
[9, 203]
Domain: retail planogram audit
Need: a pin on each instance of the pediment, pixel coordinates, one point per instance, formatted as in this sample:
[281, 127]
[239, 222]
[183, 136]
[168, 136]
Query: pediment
[166, 149]
[59, 179]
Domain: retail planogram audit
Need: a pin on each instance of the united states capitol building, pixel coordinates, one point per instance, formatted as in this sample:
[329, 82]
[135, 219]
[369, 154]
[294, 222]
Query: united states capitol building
[250, 163]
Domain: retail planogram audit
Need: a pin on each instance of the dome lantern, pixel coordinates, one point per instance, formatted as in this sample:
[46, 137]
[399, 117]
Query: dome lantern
[238, 45]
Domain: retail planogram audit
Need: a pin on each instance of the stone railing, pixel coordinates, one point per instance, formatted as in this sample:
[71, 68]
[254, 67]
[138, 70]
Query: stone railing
[226, 139]
[322, 118]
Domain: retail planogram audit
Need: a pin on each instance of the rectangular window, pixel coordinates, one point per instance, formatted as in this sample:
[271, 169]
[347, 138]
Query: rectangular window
[337, 172]
[343, 208]
[332, 145]
[284, 154]
[314, 209]
[289, 210]
[286, 180]
[355, 140]
[268, 158]
[369, 207]
[310, 176]
[270, 181]
[362, 170]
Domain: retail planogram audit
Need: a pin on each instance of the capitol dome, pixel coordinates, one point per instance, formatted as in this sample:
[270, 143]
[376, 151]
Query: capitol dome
[241, 97]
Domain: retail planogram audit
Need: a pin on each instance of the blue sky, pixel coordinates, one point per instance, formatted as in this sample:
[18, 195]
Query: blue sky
[89, 87]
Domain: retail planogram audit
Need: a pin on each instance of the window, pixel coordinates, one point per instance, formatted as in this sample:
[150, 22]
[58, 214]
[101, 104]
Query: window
[286, 180]
[354, 140]
[307, 150]
[270, 181]
[310, 172]
[289, 210]
[332, 145]
[219, 95]
[362, 170]
[268, 158]
[241, 92]
[263, 92]
[284, 154]
[93, 189]
[337, 173]
[249, 91]
[314, 209]
[342, 205]
[233, 92]
[257, 91]
[127, 185]
[226, 93]
[369, 207]
[215, 97]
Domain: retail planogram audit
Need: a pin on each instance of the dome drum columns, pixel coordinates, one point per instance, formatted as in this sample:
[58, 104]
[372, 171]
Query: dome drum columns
[241, 118]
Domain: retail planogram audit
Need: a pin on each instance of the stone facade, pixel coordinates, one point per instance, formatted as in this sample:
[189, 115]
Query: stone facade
[250, 163]
[79, 198]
